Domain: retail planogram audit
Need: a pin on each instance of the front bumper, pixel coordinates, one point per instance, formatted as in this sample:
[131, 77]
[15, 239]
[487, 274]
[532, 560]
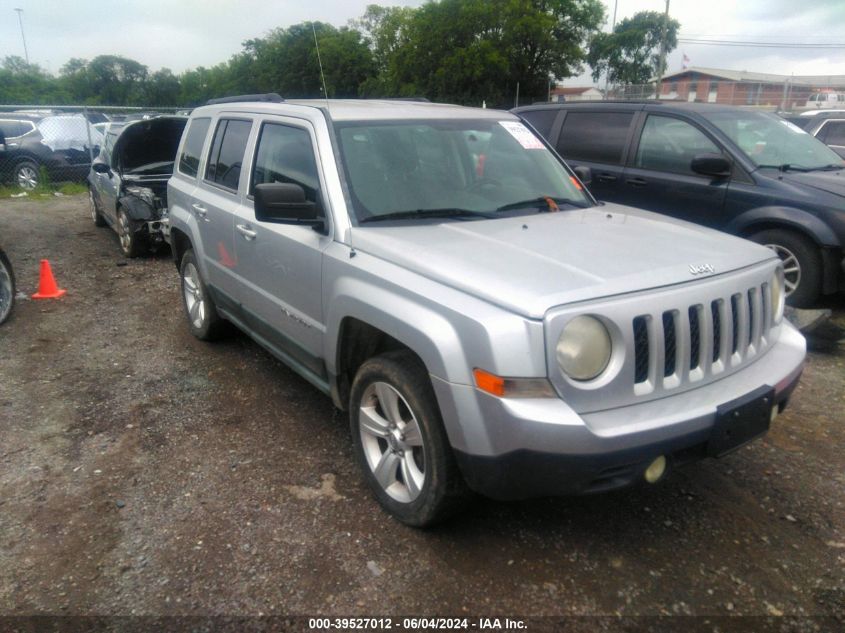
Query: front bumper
[518, 448]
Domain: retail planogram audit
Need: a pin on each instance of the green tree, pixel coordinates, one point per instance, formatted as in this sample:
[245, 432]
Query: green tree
[24, 84]
[631, 53]
[105, 80]
[162, 89]
[467, 51]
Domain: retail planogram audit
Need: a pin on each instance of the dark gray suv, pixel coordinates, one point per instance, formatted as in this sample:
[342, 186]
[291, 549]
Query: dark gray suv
[746, 172]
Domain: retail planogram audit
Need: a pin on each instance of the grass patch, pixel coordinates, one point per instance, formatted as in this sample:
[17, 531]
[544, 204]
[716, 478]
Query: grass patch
[44, 190]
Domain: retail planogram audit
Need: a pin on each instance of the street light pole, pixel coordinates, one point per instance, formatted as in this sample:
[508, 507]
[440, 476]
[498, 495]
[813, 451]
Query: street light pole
[20, 22]
[612, 26]
[663, 47]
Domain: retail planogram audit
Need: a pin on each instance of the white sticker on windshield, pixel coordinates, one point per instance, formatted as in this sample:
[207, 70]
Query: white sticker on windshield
[522, 134]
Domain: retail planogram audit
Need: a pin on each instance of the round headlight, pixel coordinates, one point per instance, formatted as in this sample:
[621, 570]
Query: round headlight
[583, 349]
[778, 297]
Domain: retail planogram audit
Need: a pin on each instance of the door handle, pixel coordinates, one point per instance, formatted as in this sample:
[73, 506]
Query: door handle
[605, 177]
[637, 182]
[200, 211]
[247, 232]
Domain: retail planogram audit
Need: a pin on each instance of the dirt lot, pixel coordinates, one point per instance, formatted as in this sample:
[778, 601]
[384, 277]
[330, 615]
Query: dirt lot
[145, 472]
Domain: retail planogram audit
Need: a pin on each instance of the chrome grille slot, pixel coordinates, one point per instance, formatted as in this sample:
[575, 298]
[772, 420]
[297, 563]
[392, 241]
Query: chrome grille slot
[716, 315]
[641, 355]
[695, 336]
[670, 348]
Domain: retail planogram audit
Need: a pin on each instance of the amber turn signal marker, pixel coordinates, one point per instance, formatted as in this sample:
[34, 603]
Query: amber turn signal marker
[489, 382]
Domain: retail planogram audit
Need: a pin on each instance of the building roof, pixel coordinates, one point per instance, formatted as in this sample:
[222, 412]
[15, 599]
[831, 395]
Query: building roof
[820, 81]
[560, 90]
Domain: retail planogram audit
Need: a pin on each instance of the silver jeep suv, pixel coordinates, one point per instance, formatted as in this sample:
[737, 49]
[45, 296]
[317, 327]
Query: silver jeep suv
[444, 277]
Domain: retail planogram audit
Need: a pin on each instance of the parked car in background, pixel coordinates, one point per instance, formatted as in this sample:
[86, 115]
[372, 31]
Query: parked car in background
[7, 286]
[739, 170]
[127, 184]
[450, 283]
[828, 126]
[60, 144]
[825, 100]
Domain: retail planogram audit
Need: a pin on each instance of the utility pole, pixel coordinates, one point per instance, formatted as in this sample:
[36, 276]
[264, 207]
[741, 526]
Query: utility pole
[612, 26]
[662, 67]
[20, 22]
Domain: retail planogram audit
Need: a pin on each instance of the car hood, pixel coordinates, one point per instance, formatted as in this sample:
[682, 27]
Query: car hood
[149, 142]
[528, 264]
[829, 181]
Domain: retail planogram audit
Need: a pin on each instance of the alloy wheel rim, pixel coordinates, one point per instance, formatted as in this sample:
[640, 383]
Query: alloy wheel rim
[27, 177]
[791, 267]
[194, 300]
[5, 292]
[392, 442]
[125, 232]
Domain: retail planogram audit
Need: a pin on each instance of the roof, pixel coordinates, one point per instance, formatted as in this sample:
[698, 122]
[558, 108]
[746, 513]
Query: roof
[819, 81]
[573, 90]
[364, 109]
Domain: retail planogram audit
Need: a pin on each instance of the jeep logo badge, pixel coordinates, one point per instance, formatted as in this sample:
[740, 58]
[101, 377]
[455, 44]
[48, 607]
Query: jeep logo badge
[700, 269]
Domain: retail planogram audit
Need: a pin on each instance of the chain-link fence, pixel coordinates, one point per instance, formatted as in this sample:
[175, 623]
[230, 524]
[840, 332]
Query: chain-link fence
[45, 149]
[786, 96]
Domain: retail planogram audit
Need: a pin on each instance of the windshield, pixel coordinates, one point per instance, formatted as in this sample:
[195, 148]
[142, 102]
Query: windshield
[771, 141]
[423, 168]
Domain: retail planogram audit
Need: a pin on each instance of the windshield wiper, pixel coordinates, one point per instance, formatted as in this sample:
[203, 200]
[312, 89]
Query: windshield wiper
[427, 213]
[541, 204]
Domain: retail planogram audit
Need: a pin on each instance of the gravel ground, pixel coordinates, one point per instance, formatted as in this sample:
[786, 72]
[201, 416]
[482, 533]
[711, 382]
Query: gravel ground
[145, 472]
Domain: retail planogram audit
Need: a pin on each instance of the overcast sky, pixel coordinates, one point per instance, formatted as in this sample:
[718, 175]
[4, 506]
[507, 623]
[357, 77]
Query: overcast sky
[182, 34]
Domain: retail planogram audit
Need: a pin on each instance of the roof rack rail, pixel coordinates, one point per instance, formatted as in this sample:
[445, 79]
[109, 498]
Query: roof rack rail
[269, 97]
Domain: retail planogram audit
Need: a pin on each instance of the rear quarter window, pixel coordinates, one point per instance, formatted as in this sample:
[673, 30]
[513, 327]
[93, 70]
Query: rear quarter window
[189, 159]
[595, 136]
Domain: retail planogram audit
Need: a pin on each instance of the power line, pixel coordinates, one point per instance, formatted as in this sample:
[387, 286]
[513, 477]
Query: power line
[752, 44]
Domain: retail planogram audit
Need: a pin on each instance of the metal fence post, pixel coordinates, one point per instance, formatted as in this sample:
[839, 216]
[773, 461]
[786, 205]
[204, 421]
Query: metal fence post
[88, 131]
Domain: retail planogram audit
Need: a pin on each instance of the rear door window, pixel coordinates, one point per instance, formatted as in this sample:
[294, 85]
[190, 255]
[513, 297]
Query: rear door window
[595, 136]
[189, 159]
[669, 144]
[227, 152]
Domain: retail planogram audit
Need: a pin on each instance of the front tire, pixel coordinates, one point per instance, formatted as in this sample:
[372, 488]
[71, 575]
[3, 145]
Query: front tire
[802, 264]
[400, 442]
[7, 287]
[203, 320]
[131, 241]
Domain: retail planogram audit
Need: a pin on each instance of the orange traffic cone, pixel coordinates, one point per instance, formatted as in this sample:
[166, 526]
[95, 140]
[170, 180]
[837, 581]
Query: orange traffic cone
[47, 286]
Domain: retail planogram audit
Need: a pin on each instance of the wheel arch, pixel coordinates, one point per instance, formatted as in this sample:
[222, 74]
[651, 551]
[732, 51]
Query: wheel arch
[784, 218]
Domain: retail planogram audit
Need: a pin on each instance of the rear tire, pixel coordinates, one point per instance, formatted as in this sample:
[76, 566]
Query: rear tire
[802, 264]
[203, 320]
[26, 175]
[400, 442]
[96, 216]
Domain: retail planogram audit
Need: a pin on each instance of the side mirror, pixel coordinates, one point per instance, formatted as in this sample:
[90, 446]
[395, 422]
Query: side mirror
[714, 165]
[284, 203]
[101, 168]
[585, 175]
